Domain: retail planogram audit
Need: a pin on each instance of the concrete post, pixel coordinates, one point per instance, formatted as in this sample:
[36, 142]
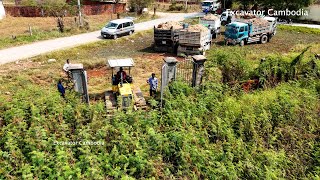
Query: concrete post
[172, 68]
[168, 74]
[79, 76]
[198, 69]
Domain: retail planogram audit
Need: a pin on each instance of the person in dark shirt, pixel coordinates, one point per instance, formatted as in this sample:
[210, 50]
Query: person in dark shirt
[121, 75]
[206, 11]
[61, 89]
[153, 82]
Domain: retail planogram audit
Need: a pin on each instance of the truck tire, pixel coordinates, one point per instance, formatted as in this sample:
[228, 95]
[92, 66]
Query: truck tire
[264, 39]
[269, 38]
[214, 36]
[241, 43]
[115, 36]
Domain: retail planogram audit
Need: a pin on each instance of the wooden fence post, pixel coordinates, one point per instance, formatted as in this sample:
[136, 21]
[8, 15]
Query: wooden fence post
[30, 30]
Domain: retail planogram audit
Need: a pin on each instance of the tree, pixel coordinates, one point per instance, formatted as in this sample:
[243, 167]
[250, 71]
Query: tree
[138, 5]
[277, 4]
[285, 4]
[58, 9]
[246, 3]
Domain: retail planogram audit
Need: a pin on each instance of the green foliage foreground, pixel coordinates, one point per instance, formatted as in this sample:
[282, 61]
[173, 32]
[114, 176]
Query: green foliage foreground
[206, 133]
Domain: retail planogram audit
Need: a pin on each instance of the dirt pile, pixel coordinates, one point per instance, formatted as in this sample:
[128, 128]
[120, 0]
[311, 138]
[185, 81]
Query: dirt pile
[197, 28]
[210, 17]
[255, 21]
[168, 25]
[247, 16]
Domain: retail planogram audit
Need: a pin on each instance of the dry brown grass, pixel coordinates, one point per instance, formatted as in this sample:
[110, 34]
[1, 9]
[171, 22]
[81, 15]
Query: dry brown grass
[8, 1]
[44, 28]
[19, 25]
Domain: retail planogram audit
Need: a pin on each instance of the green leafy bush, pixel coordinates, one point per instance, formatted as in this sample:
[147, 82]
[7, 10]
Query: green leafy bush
[208, 132]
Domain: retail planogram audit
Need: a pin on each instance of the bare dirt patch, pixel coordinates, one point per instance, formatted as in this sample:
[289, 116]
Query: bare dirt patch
[98, 72]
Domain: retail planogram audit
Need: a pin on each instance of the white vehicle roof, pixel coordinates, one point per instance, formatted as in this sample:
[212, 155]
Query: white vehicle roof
[269, 18]
[128, 62]
[238, 23]
[119, 21]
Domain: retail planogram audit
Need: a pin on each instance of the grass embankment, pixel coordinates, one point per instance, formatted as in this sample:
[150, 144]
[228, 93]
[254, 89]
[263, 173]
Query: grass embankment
[213, 132]
[299, 29]
[15, 30]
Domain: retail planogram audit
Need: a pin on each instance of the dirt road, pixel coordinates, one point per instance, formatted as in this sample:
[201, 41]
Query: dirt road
[34, 49]
[306, 25]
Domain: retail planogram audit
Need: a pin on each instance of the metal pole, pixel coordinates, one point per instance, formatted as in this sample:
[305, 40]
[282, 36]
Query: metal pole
[80, 15]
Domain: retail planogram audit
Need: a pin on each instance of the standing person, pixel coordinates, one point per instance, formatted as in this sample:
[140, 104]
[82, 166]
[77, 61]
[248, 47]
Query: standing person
[206, 11]
[229, 18]
[61, 89]
[153, 82]
[66, 66]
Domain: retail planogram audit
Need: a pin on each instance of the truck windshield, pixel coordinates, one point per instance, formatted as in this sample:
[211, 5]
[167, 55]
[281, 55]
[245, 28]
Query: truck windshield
[111, 25]
[232, 29]
[206, 3]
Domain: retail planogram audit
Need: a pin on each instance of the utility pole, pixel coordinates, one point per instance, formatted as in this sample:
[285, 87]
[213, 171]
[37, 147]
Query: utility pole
[80, 15]
[186, 5]
[224, 4]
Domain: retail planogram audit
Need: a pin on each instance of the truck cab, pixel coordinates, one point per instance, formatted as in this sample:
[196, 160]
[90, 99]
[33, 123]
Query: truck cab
[225, 15]
[210, 5]
[237, 33]
[273, 24]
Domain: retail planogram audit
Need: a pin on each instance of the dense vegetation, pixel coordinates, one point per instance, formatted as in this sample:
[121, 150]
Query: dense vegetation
[213, 131]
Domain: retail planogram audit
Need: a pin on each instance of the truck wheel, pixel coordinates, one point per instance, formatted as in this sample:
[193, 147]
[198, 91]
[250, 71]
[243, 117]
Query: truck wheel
[115, 36]
[226, 43]
[264, 39]
[269, 38]
[214, 36]
[241, 43]
[130, 32]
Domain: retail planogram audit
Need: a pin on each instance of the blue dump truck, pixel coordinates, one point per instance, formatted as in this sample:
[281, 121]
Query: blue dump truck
[244, 31]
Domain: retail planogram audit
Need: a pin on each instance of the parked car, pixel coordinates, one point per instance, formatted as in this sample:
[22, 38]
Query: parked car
[117, 28]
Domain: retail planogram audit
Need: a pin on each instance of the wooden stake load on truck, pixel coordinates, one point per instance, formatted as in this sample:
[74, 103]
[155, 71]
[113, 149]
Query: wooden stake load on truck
[195, 39]
[166, 37]
[250, 30]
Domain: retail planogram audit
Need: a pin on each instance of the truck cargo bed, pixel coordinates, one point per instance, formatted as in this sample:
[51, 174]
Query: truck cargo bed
[194, 38]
